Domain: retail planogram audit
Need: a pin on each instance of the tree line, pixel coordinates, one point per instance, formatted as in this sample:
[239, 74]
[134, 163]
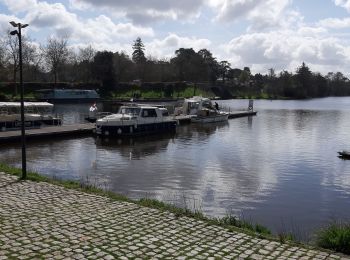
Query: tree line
[55, 62]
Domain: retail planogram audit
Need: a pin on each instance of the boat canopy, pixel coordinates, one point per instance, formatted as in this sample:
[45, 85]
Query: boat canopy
[26, 104]
[29, 107]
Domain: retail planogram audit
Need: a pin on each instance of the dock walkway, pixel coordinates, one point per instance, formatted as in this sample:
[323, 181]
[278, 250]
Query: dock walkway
[86, 128]
[48, 132]
[45, 221]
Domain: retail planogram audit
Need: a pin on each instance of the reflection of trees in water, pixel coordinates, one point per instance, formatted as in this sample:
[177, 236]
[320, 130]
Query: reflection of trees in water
[136, 147]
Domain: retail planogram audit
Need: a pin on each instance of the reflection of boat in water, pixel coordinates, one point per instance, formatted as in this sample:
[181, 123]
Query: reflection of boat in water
[344, 154]
[36, 114]
[136, 120]
[202, 110]
[137, 146]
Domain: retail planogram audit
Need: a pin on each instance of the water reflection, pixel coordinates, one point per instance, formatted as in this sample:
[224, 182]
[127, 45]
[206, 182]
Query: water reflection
[280, 168]
[136, 148]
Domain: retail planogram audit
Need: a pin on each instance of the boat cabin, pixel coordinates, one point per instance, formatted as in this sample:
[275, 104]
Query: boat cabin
[192, 106]
[132, 120]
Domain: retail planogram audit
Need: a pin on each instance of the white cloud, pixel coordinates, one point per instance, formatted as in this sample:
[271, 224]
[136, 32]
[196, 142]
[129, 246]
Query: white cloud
[335, 23]
[166, 47]
[145, 11]
[19, 6]
[286, 49]
[4, 22]
[262, 14]
[343, 3]
[64, 23]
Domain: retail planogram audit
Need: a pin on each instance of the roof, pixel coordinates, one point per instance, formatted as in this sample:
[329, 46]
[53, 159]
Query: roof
[26, 104]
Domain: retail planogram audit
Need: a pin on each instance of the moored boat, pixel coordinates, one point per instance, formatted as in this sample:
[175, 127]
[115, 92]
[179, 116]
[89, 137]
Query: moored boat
[202, 110]
[67, 95]
[209, 116]
[344, 154]
[36, 114]
[136, 120]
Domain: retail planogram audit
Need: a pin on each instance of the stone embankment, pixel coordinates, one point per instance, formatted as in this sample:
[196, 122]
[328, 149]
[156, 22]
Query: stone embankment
[45, 221]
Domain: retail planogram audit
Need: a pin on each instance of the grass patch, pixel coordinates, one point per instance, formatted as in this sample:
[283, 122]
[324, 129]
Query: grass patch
[148, 93]
[231, 220]
[335, 237]
[152, 203]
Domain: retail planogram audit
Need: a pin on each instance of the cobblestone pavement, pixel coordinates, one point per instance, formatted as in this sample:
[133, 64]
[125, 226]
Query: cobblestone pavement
[44, 221]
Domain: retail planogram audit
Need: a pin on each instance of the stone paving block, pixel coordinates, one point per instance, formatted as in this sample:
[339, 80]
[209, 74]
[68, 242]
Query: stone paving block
[41, 220]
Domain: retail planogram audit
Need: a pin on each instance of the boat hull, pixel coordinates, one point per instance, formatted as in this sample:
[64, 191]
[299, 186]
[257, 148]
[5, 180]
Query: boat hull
[136, 130]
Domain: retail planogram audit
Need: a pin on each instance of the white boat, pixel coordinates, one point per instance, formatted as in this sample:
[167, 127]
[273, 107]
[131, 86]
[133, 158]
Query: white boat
[136, 120]
[36, 114]
[202, 110]
[209, 116]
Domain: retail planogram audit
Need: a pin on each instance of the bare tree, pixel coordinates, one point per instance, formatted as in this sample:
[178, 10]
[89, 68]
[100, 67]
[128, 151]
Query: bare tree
[32, 60]
[86, 54]
[56, 54]
[13, 54]
[3, 61]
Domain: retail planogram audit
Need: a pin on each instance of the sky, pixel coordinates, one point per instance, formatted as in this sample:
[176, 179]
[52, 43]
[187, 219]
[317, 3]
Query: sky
[259, 34]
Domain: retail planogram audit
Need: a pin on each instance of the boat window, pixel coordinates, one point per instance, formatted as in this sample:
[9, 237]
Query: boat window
[207, 104]
[149, 113]
[165, 112]
[130, 110]
[192, 105]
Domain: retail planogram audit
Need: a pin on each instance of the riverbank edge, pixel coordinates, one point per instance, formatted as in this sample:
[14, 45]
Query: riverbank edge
[154, 204]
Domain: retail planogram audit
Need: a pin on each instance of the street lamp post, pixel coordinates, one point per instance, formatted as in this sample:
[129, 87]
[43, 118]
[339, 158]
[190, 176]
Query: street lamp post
[23, 134]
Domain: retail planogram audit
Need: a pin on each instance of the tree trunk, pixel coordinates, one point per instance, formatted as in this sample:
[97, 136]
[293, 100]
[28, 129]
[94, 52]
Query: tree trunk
[14, 78]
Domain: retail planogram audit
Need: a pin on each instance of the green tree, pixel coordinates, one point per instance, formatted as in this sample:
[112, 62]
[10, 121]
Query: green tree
[305, 88]
[187, 64]
[138, 57]
[104, 71]
[125, 68]
[286, 84]
[210, 64]
[224, 67]
[244, 77]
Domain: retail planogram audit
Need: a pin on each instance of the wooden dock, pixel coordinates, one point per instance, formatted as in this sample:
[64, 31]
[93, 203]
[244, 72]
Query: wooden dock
[244, 113]
[87, 128]
[50, 131]
[186, 119]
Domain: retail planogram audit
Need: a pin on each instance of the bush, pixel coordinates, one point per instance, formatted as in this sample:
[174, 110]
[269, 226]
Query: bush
[335, 237]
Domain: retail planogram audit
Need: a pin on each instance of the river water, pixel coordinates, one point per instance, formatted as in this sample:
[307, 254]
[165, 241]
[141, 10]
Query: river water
[279, 168]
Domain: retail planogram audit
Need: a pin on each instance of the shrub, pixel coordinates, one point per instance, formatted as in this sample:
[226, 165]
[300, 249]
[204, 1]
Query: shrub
[335, 237]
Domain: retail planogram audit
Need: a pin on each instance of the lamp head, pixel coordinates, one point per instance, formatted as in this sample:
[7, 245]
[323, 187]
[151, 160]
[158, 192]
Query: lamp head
[14, 32]
[14, 24]
[24, 25]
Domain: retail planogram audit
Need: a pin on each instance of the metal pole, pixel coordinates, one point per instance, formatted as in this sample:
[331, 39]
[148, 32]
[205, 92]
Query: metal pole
[23, 134]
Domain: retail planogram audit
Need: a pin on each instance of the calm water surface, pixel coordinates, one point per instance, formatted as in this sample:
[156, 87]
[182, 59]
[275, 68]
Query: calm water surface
[279, 168]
